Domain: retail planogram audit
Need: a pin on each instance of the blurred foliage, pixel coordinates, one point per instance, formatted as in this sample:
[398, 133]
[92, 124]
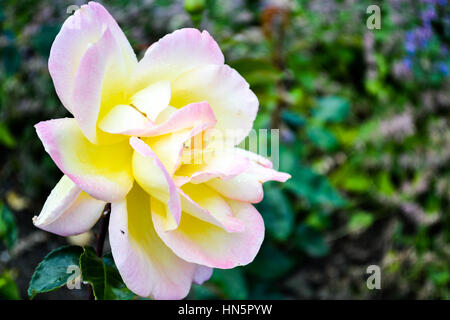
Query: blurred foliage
[8, 287]
[8, 229]
[364, 132]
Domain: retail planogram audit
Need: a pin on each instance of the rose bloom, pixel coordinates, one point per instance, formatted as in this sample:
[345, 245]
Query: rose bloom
[172, 219]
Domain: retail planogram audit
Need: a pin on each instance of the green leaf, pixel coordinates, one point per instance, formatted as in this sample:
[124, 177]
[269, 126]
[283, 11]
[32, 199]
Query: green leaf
[8, 229]
[311, 241]
[116, 288]
[318, 220]
[439, 277]
[277, 212]
[8, 287]
[360, 221]
[271, 263]
[231, 283]
[332, 109]
[357, 182]
[322, 138]
[289, 157]
[43, 40]
[93, 271]
[103, 276]
[6, 138]
[314, 188]
[203, 292]
[293, 119]
[384, 183]
[51, 273]
[10, 55]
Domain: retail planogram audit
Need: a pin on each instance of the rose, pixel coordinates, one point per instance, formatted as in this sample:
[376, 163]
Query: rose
[172, 219]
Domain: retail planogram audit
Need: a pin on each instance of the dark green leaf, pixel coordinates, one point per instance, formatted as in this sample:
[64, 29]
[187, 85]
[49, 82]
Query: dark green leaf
[103, 276]
[230, 282]
[44, 39]
[277, 212]
[288, 158]
[322, 138]
[10, 54]
[203, 292]
[270, 263]
[293, 119]
[311, 241]
[332, 109]
[314, 188]
[8, 229]
[93, 271]
[51, 273]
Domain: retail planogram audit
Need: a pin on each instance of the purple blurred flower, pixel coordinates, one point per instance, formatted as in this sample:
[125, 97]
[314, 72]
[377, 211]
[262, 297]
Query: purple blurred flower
[443, 68]
[438, 2]
[410, 44]
[423, 34]
[407, 63]
[429, 14]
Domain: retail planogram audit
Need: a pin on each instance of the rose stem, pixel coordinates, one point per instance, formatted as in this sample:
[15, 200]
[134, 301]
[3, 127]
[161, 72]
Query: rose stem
[101, 238]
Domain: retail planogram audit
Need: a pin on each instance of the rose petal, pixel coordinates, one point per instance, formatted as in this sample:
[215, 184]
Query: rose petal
[90, 59]
[207, 205]
[123, 118]
[198, 116]
[68, 210]
[153, 99]
[202, 274]
[153, 177]
[234, 104]
[247, 186]
[174, 54]
[200, 242]
[222, 165]
[98, 86]
[103, 172]
[147, 266]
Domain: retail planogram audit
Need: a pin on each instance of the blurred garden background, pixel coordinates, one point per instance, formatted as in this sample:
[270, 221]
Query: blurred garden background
[364, 131]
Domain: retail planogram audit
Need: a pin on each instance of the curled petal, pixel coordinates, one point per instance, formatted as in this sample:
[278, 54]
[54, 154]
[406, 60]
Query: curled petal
[153, 99]
[244, 187]
[234, 104]
[198, 116]
[183, 128]
[247, 186]
[102, 171]
[148, 267]
[202, 274]
[90, 59]
[251, 156]
[203, 243]
[175, 54]
[153, 177]
[68, 210]
[123, 118]
[169, 148]
[219, 165]
[206, 204]
[98, 84]
[182, 123]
